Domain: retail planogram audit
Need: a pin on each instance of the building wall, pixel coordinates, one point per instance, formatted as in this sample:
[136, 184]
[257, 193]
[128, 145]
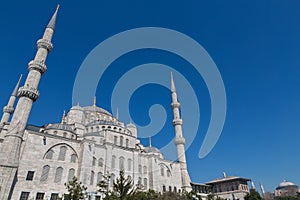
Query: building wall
[145, 168]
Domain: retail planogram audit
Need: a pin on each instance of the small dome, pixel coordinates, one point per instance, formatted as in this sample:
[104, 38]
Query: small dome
[77, 107]
[285, 184]
[96, 109]
[130, 125]
[152, 150]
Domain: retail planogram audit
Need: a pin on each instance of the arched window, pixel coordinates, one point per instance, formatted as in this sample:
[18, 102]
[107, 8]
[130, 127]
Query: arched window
[73, 158]
[127, 143]
[64, 134]
[62, 153]
[45, 173]
[112, 179]
[49, 154]
[139, 182]
[168, 173]
[162, 170]
[145, 183]
[92, 178]
[94, 161]
[71, 174]
[113, 162]
[175, 189]
[170, 188]
[121, 140]
[129, 161]
[140, 168]
[115, 140]
[121, 163]
[58, 174]
[99, 177]
[164, 188]
[145, 170]
[100, 162]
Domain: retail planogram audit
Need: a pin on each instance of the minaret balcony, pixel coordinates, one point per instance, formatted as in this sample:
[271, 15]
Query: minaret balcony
[175, 105]
[46, 44]
[179, 140]
[177, 122]
[37, 65]
[8, 109]
[30, 93]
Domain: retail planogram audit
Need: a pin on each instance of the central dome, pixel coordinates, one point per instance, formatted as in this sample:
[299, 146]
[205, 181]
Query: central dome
[96, 109]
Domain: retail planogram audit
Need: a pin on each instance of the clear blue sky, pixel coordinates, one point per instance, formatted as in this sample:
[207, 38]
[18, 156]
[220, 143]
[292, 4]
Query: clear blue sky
[255, 45]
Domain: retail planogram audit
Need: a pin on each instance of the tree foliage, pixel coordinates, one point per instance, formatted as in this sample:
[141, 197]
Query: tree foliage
[76, 190]
[253, 195]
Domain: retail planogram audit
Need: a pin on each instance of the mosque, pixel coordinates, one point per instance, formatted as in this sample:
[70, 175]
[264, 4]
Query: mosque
[89, 143]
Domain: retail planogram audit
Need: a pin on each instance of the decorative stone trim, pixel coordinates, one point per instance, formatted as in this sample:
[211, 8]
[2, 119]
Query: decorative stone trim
[175, 105]
[8, 109]
[177, 122]
[30, 93]
[179, 140]
[37, 65]
[46, 44]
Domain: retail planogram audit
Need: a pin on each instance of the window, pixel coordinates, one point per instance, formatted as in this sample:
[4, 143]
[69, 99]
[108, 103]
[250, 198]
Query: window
[94, 161]
[98, 198]
[24, 196]
[145, 183]
[115, 140]
[64, 134]
[140, 168]
[58, 174]
[100, 162]
[175, 189]
[168, 173]
[113, 162]
[145, 170]
[62, 153]
[139, 182]
[99, 177]
[112, 179]
[121, 140]
[127, 143]
[121, 163]
[45, 173]
[164, 188]
[49, 154]
[30, 175]
[54, 196]
[129, 164]
[170, 188]
[92, 178]
[71, 174]
[73, 158]
[162, 171]
[40, 196]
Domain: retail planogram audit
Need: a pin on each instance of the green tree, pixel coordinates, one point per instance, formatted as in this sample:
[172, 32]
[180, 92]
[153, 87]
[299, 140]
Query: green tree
[253, 195]
[76, 190]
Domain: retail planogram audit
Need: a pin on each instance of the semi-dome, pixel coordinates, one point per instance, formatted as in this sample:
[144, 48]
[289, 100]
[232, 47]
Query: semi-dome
[59, 126]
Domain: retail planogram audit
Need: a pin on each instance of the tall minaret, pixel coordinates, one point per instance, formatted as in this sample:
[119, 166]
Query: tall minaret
[10, 148]
[9, 108]
[179, 139]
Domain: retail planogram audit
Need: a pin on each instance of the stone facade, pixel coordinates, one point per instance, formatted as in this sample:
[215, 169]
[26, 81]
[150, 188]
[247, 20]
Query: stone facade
[89, 147]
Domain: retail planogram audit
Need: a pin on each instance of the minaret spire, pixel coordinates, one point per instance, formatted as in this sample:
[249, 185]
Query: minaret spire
[10, 148]
[9, 108]
[150, 141]
[63, 118]
[179, 139]
[52, 21]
